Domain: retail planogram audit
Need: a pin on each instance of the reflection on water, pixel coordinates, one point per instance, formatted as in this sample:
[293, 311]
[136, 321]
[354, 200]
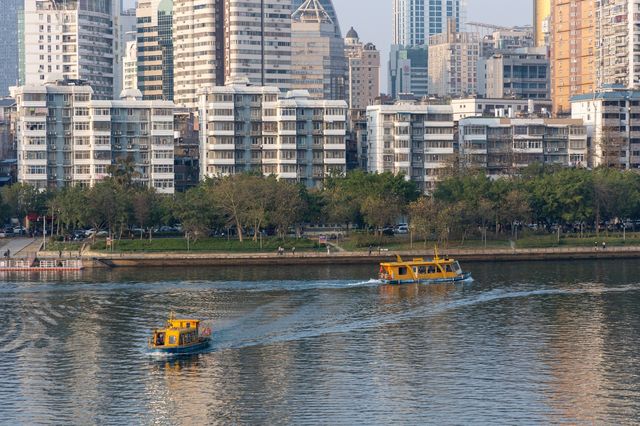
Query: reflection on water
[525, 342]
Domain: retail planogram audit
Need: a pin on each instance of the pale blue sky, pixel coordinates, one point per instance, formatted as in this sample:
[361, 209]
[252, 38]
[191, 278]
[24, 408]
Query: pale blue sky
[372, 19]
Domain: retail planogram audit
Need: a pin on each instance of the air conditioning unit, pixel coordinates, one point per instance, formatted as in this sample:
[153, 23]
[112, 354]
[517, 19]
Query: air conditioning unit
[129, 146]
[52, 147]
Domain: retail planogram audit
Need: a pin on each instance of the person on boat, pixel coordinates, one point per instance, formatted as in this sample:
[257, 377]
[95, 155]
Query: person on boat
[293, 251]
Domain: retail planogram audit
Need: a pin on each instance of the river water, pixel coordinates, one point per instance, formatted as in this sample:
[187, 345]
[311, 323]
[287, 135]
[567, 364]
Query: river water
[524, 343]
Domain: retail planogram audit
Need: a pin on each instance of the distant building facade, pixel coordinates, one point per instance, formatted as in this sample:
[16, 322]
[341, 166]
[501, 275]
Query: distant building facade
[519, 73]
[414, 21]
[453, 63]
[408, 71]
[504, 146]
[9, 21]
[293, 137]
[67, 138]
[8, 113]
[318, 62]
[198, 48]
[186, 149]
[72, 40]
[541, 18]
[363, 80]
[257, 41]
[612, 118]
[573, 54]
[154, 47]
[414, 139]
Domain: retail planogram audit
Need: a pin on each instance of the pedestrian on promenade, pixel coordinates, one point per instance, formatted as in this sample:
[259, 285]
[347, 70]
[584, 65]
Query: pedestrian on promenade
[369, 249]
[604, 245]
[328, 249]
[379, 249]
[293, 251]
[596, 245]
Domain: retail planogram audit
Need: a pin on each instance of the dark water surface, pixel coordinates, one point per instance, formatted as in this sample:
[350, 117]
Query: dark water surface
[525, 343]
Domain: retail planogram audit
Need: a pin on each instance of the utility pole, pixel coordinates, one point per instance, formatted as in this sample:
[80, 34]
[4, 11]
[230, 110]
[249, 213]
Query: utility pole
[44, 232]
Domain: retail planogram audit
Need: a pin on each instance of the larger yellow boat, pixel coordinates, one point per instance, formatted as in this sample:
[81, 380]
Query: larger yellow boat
[419, 270]
[180, 336]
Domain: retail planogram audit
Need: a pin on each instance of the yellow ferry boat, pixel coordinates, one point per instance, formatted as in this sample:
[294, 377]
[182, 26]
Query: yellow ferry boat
[419, 270]
[180, 336]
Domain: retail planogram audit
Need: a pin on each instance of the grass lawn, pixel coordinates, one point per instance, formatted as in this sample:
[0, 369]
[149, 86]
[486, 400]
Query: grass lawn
[222, 245]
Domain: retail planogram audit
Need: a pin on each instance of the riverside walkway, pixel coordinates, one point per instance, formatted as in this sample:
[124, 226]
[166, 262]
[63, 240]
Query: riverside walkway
[167, 259]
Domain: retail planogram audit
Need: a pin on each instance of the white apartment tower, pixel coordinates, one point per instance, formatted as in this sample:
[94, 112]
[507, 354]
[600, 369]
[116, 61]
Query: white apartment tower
[363, 81]
[67, 138]
[293, 137]
[70, 39]
[258, 41]
[414, 21]
[198, 51]
[414, 139]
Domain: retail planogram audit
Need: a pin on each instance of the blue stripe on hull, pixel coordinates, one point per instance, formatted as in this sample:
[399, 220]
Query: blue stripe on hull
[183, 350]
[464, 277]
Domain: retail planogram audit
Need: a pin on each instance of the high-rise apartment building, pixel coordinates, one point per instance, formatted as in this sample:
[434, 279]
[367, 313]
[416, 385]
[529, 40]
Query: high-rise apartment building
[65, 137]
[363, 64]
[291, 136]
[453, 63]
[155, 49]
[414, 139]
[617, 46]
[318, 62]
[70, 39]
[258, 41]
[414, 21]
[198, 48]
[9, 18]
[541, 18]
[573, 51]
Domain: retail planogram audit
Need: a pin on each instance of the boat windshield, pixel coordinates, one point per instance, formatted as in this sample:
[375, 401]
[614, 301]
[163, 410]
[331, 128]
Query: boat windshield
[457, 268]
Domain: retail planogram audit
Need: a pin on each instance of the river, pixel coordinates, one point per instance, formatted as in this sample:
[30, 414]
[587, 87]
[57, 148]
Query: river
[524, 343]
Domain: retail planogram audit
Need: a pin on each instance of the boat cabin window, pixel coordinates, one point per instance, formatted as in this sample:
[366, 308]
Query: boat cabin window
[447, 268]
[422, 269]
[456, 267]
[160, 339]
[188, 325]
[402, 270]
[172, 340]
[431, 270]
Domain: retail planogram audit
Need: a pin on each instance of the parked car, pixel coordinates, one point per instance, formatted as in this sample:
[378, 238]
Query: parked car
[402, 229]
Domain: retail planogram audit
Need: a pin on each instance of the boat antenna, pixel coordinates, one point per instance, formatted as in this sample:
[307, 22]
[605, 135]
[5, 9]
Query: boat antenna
[398, 258]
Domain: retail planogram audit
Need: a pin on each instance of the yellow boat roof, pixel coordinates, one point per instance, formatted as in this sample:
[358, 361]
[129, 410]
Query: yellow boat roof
[417, 261]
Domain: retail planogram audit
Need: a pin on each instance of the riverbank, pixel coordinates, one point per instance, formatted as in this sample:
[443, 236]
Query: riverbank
[179, 259]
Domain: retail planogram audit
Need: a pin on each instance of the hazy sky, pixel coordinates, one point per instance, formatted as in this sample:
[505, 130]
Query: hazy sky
[372, 19]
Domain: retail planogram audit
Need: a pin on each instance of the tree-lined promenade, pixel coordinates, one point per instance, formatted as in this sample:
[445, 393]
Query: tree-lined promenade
[467, 209]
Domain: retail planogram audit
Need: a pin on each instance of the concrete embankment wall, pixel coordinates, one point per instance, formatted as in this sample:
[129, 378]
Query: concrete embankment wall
[99, 259]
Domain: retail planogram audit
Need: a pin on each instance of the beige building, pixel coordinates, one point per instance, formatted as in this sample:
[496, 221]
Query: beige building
[317, 62]
[453, 63]
[541, 18]
[573, 54]
[198, 48]
[363, 81]
[257, 41]
[130, 67]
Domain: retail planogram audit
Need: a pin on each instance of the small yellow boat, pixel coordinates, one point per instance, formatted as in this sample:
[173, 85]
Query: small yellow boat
[419, 270]
[180, 336]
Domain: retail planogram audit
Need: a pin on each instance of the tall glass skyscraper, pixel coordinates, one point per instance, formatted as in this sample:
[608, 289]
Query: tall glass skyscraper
[9, 45]
[414, 21]
[328, 7]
